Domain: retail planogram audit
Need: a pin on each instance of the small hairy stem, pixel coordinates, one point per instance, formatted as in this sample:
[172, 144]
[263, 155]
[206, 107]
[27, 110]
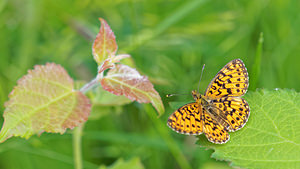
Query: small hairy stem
[89, 85]
[77, 153]
[92, 83]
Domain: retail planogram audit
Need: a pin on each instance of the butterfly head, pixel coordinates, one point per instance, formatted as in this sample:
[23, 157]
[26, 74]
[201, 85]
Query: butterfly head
[196, 95]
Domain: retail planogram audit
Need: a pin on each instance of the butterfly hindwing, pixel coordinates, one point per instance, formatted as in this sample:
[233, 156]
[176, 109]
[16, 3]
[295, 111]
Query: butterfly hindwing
[214, 132]
[234, 111]
[231, 80]
[187, 119]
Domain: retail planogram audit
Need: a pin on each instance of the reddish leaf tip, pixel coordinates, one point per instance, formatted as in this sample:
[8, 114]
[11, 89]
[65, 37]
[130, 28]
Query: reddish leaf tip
[105, 43]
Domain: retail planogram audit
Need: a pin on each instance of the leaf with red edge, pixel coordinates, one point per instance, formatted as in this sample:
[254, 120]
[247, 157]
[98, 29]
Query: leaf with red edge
[105, 48]
[124, 80]
[105, 44]
[44, 101]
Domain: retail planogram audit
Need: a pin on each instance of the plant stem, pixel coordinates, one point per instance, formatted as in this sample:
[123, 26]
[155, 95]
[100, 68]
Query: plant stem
[90, 85]
[77, 153]
[77, 132]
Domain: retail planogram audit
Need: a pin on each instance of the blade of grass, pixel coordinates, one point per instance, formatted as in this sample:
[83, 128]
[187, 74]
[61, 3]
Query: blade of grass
[77, 152]
[255, 73]
[174, 17]
[177, 15]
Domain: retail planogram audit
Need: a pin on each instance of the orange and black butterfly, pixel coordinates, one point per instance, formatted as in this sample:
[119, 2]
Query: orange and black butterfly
[220, 110]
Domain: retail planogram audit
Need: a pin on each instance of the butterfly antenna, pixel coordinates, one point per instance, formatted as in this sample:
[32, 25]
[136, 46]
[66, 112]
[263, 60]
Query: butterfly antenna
[170, 95]
[200, 77]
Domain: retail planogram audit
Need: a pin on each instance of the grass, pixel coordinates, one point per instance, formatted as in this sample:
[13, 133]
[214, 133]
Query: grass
[169, 41]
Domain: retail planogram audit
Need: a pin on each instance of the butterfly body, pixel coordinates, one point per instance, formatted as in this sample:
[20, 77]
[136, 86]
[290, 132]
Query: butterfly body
[219, 110]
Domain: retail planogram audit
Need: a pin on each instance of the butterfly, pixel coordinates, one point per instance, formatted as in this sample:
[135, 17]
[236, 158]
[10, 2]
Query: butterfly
[220, 110]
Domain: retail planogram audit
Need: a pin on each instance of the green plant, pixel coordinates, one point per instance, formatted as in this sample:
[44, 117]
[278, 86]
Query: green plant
[169, 44]
[45, 100]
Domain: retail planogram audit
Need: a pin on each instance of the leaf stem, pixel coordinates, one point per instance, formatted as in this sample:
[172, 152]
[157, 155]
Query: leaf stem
[77, 132]
[91, 84]
[77, 152]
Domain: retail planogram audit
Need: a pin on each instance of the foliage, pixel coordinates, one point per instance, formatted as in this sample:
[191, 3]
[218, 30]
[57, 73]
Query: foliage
[44, 100]
[270, 139]
[121, 79]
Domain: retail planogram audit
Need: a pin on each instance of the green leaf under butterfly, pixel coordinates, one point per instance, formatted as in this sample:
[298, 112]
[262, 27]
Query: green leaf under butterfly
[44, 101]
[271, 137]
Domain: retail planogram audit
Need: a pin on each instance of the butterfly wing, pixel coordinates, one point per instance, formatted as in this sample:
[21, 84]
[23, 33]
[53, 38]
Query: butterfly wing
[214, 132]
[187, 119]
[232, 112]
[231, 80]
[224, 112]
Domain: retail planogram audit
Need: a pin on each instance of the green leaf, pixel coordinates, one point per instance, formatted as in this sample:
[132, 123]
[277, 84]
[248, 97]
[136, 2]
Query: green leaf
[124, 80]
[134, 163]
[271, 137]
[44, 100]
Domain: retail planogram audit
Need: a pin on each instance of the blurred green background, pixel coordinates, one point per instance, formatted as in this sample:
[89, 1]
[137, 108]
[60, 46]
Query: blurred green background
[169, 41]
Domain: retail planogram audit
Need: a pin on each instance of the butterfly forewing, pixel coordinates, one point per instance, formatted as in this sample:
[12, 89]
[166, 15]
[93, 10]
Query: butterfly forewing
[187, 119]
[231, 80]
